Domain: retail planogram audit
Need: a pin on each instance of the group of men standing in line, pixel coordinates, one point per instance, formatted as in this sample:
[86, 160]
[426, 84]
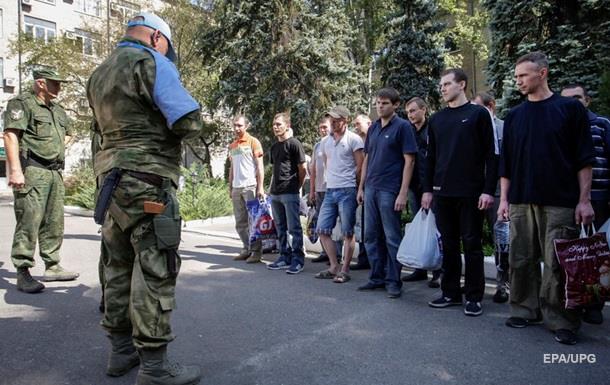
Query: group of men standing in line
[551, 179]
[468, 166]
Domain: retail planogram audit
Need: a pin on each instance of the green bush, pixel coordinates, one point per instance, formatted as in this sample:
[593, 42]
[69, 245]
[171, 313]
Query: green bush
[80, 186]
[203, 196]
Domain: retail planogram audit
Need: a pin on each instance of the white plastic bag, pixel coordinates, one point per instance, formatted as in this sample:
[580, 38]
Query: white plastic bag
[420, 247]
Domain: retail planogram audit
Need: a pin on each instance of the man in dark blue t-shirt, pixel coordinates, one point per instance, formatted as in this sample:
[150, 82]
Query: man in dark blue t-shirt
[390, 151]
[545, 170]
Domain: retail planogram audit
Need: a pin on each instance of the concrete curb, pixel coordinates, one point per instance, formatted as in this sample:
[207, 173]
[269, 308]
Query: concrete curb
[490, 264]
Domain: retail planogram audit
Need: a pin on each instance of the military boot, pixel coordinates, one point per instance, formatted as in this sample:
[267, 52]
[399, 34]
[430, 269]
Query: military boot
[156, 370]
[123, 356]
[57, 273]
[254, 258]
[26, 283]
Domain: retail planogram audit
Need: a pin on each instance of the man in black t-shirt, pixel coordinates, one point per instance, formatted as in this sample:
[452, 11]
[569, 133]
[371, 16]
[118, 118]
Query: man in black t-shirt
[462, 172]
[545, 170]
[289, 170]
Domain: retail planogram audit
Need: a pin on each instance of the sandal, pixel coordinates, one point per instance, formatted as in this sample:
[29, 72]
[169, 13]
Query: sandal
[342, 278]
[325, 274]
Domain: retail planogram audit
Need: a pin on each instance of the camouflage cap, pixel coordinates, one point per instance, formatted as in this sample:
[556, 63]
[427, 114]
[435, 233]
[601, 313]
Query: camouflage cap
[338, 112]
[48, 73]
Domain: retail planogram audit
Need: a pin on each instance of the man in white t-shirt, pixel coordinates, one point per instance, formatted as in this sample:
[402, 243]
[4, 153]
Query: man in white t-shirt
[246, 177]
[343, 158]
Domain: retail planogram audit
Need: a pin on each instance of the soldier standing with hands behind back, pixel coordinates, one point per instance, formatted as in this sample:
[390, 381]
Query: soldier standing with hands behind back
[142, 114]
[37, 130]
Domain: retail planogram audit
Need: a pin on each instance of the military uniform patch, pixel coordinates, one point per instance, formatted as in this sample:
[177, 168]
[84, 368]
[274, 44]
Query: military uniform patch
[16, 114]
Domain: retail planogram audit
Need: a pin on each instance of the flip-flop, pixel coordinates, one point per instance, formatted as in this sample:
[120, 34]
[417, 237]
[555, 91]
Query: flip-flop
[342, 278]
[325, 274]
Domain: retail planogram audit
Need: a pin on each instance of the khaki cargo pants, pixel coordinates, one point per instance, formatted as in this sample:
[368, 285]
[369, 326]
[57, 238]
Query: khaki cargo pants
[532, 231]
[139, 291]
[239, 197]
[39, 211]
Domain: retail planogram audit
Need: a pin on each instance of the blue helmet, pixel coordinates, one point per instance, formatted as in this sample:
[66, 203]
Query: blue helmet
[153, 21]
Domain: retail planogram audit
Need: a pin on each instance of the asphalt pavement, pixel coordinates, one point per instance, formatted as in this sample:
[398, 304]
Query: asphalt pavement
[244, 324]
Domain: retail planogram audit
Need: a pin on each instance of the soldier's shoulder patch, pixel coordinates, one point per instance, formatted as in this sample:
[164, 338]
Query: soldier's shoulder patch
[16, 114]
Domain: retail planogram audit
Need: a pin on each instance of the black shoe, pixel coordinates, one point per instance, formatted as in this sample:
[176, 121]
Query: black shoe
[445, 302]
[417, 275]
[360, 266]
[593, 316]
[501, 296]
[394, 292]
[434, 283]
[519, 322]
[565, 336]
[371, 286]
[320, 258]
[473, 309]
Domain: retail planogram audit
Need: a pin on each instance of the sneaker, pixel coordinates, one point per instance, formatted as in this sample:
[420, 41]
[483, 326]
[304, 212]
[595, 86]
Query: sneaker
[565, 336]
[57, 273]
[473, 309]
[394, 292]
[519, 322]
[445, 302]
[434, 282]
[371, 286]
[278, 265]
[417, 275]
[295, 269]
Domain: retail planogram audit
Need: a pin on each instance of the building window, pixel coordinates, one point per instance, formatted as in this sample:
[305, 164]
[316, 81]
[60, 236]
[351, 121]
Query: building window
[39, 29]
[86, 41]
[90, 7]
[123, 9]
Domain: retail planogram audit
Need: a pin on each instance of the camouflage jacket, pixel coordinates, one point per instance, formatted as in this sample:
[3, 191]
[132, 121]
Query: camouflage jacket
[43, 128]
[129, 130]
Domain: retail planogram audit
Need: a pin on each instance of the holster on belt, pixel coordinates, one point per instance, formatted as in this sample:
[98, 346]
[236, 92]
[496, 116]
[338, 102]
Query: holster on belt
[111, 181]
[31, 159]
[167, 227]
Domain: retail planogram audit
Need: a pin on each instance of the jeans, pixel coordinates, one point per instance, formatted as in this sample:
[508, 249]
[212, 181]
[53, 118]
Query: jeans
[285, 209]
[339, 244]
[381, 219]
[341, 202]
[460, 219]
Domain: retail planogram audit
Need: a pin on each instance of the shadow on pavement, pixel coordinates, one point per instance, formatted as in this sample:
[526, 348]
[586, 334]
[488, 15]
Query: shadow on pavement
[85, 237]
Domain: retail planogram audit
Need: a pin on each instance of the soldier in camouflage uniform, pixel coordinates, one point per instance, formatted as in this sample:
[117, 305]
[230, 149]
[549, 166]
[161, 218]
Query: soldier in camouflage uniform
[36, 130]
[142, 114]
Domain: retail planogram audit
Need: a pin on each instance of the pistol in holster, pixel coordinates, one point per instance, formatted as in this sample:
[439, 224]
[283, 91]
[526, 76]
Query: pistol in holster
[167, 227]
[111, 181]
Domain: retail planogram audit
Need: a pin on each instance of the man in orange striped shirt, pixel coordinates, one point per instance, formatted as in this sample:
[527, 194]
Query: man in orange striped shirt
[246, 177]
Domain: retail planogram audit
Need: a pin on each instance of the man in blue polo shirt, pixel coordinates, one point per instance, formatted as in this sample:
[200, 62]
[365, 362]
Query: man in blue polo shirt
[390, 150]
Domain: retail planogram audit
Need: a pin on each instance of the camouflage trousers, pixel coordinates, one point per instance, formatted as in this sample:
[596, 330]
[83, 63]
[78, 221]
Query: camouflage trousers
[39, 211]
[139, 290]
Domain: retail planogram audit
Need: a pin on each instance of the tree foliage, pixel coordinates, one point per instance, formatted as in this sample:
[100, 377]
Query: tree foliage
[412, 60]
[574, 34]
[276, 56]
[466, 23]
